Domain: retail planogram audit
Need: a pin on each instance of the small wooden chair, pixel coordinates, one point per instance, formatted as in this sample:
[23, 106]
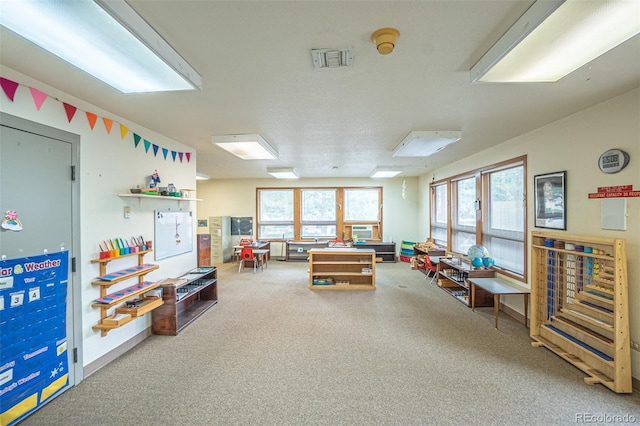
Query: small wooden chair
[247, 255]
[431, 267]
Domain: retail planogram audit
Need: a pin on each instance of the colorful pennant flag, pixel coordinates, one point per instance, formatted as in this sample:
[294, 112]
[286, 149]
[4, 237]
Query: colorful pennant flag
[123, 131]
[38, 97]
[9, 87]
[107, 124]
[91, 118]
[70, 110]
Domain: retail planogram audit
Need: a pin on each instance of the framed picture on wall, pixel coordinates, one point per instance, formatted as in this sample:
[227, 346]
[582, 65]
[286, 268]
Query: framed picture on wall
[551, 200]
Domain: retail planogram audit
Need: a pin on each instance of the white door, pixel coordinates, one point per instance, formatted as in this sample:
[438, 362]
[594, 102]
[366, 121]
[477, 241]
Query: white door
[37, 184]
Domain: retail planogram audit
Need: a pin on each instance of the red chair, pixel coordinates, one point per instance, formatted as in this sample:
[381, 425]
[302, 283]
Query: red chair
[247, 255]
[431, 267]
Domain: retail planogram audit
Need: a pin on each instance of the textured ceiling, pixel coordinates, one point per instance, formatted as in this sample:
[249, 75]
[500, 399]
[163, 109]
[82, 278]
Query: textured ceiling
[258, 77]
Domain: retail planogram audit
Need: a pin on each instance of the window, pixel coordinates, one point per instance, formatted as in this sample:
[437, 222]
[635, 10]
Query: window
[504, 228]
[362, 205]
[488, 207]
[439, 214]
[275, 213]
[318, 213]
[463, 212]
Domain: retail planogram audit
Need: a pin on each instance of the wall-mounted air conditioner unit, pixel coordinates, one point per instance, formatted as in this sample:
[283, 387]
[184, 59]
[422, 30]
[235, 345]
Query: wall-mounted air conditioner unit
[364, 232]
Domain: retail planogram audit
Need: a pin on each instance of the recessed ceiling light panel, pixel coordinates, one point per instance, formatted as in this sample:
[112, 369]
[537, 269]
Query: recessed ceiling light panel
[106, 39]
[247, 147]
[282, 172]
[553, 38]
[386, 172]
[425, 143]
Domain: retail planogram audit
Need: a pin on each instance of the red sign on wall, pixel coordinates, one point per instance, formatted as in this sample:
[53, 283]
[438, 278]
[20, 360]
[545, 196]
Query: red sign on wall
[621, 191]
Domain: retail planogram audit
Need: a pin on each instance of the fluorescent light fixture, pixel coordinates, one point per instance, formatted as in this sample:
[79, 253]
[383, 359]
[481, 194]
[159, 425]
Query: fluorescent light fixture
[247, 147]
[554, 38]
[425, 143]
[282, 172]
[386, 172]
[331, 58]
[202, 176]
[105, 38]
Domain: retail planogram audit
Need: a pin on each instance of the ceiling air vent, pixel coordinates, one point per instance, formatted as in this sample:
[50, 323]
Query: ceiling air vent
[331, 58]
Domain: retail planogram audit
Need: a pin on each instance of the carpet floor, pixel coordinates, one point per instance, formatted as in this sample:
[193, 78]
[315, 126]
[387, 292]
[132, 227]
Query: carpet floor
[274, 352]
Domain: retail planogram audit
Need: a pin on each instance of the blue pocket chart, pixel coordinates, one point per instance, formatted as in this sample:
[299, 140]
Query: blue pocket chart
[33, 333]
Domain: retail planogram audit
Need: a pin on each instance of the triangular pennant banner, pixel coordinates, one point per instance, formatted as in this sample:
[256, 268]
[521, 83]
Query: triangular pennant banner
[123, 130]
[165, 151]
[188, 155]
[38, 97]
[180, 156]
[92, 118]
[9, 87]
[70, 110]
[155, 150]
[107, 124]
[173, 155]
[136, 139]
[147, 144]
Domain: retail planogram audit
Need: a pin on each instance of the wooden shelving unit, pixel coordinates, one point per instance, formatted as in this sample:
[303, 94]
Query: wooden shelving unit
[113, 312]
[342, 269]
[453, 275]
[185, 299]
[161, 197]
[385, 252]
[299, 250]
[580, 304]
[419, 253]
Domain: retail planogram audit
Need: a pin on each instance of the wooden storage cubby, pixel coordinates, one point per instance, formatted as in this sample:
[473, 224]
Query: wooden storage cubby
[111, 304]
[299, 250]
[385, 252]
[580, 304]
[453, 274]
[343, 267]
[185, 299]
[419, 253]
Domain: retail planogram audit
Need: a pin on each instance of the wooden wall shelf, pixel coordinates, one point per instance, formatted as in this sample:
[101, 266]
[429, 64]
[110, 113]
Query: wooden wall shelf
[160, 197]
[111, 318]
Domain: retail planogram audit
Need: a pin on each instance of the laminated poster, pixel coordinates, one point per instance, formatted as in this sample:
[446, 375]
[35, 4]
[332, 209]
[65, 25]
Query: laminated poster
[33, 336]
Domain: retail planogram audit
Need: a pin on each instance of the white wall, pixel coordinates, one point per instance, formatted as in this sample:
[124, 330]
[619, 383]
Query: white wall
[237, 197]
[109, 165]
[574, 144]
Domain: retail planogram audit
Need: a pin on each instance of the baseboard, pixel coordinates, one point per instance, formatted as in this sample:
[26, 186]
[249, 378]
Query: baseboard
[513, 313]
[635, 383]
[115, 353]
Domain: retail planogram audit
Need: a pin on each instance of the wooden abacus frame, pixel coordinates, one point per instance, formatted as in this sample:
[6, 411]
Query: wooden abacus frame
[580, 304]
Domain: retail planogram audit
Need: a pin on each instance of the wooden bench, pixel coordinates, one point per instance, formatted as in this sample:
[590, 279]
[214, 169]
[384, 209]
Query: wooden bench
[497, 287]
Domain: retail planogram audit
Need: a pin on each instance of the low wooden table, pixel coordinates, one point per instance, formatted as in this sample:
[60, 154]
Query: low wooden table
[497, 287]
